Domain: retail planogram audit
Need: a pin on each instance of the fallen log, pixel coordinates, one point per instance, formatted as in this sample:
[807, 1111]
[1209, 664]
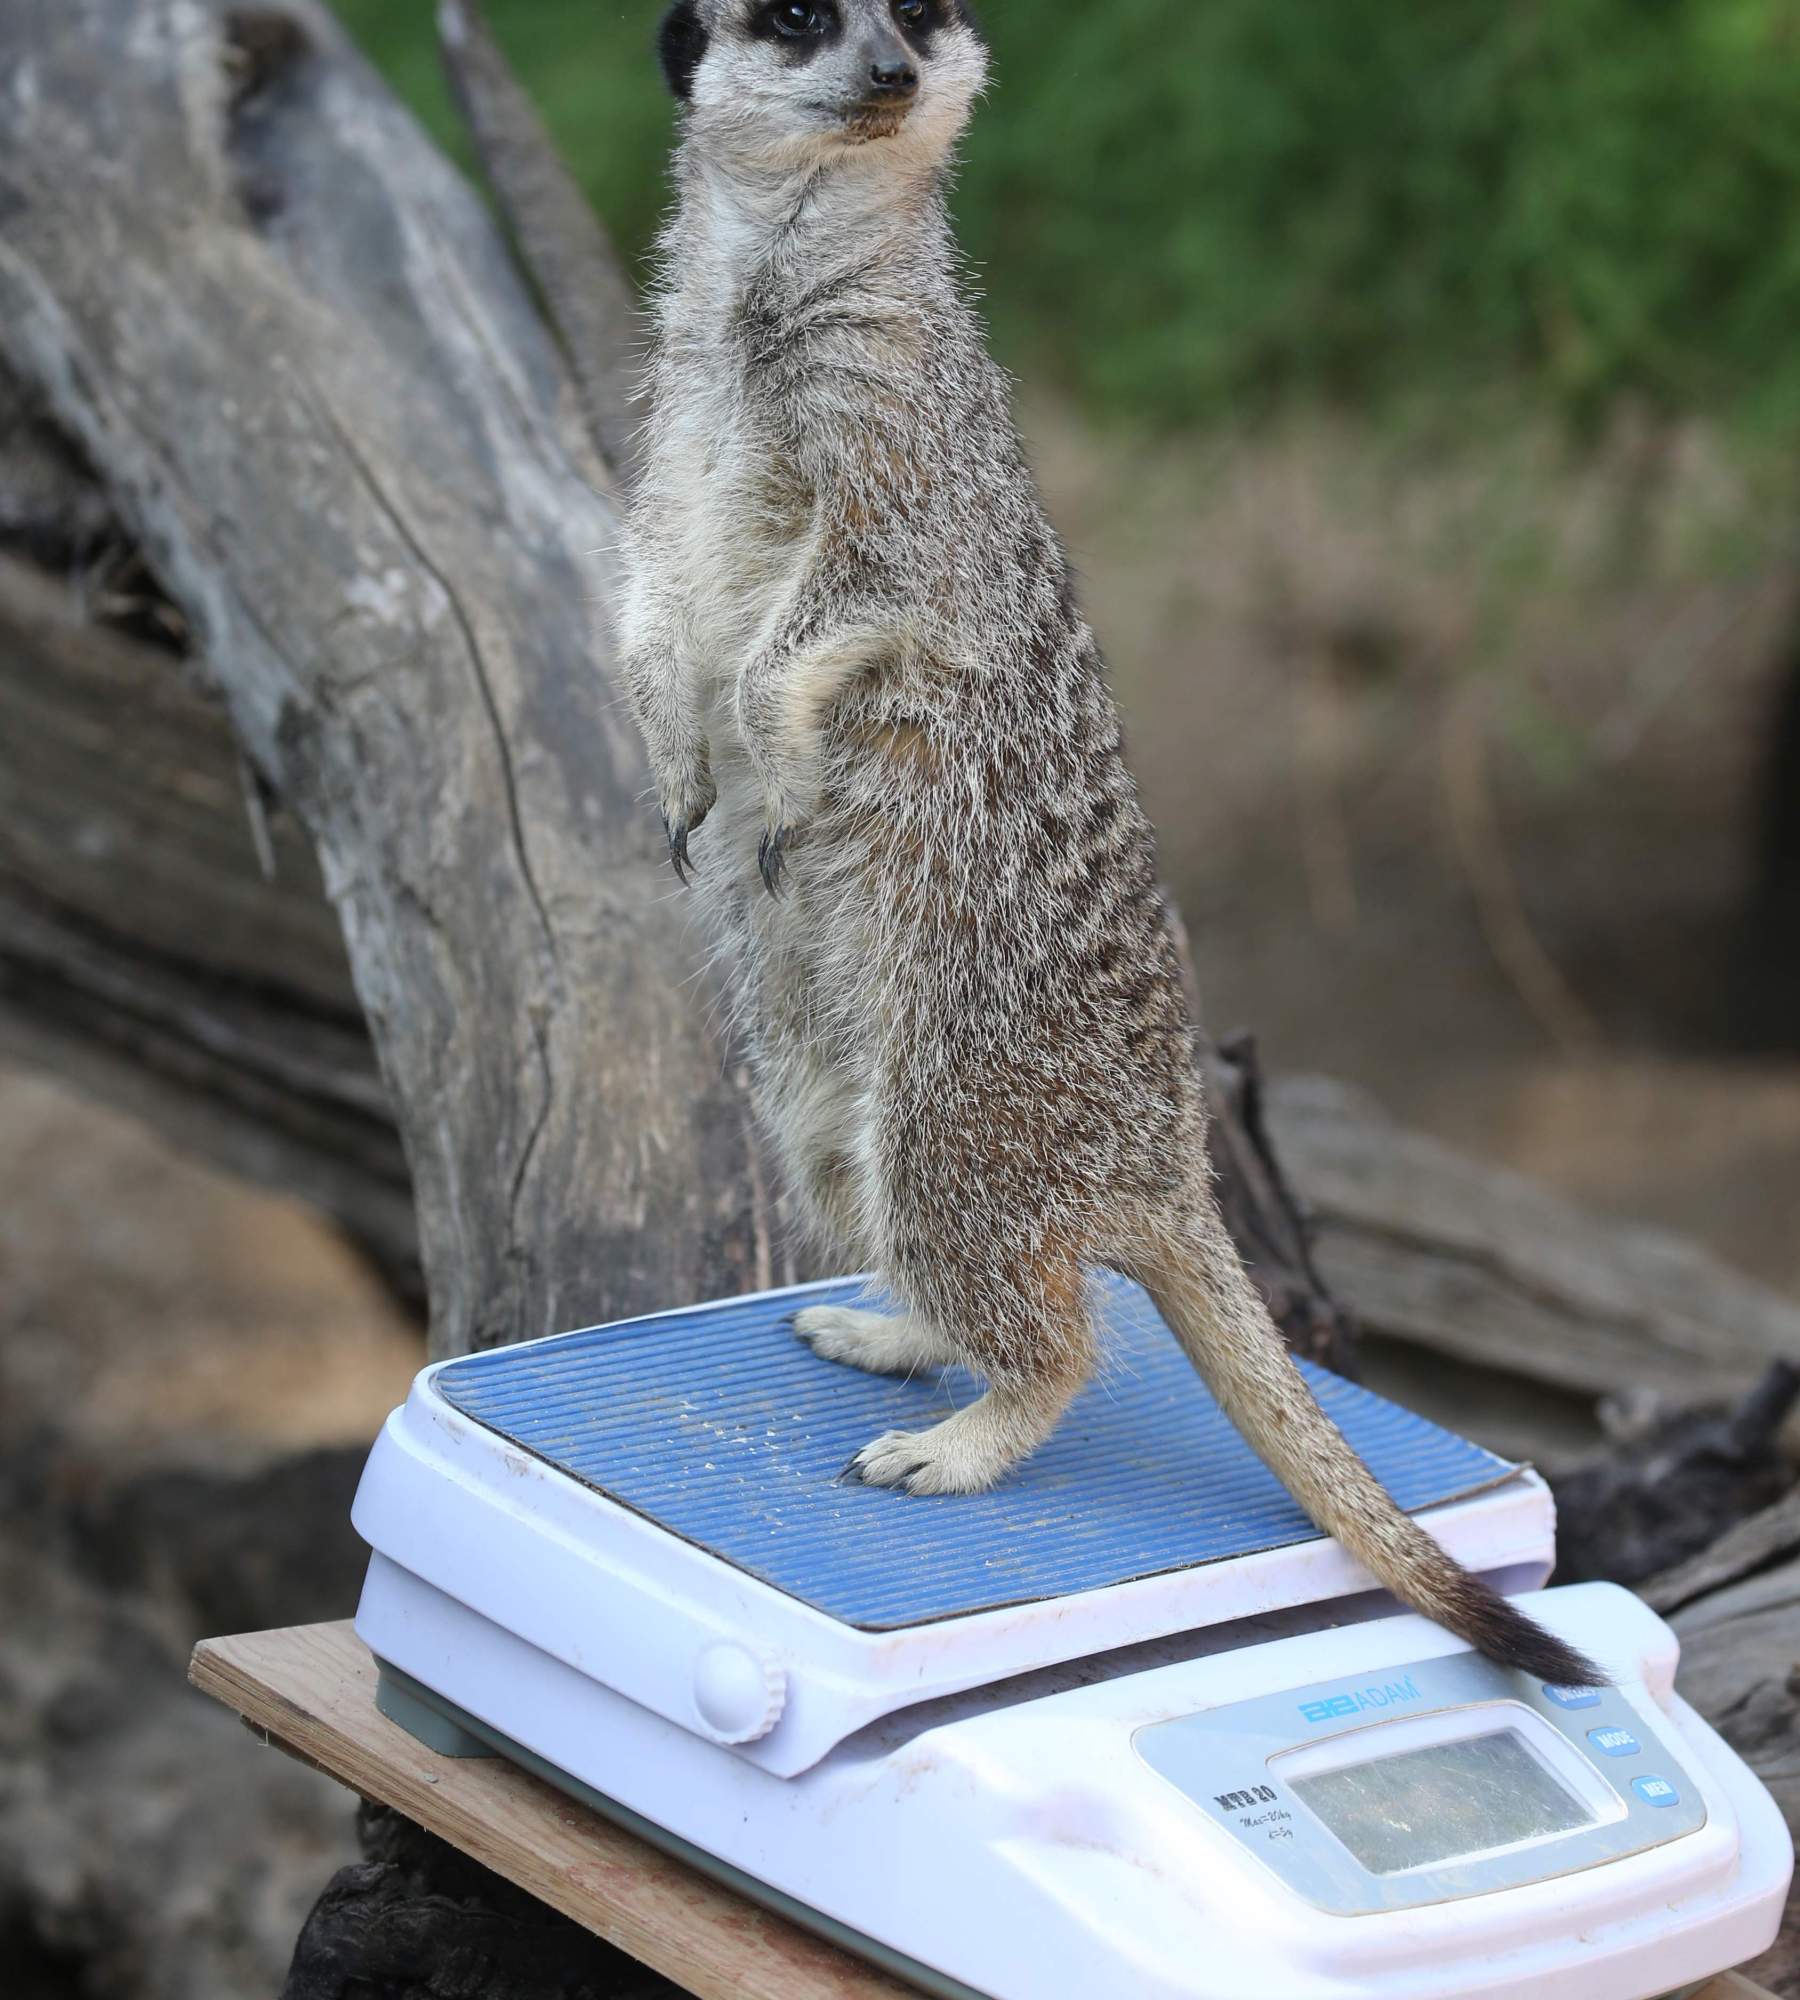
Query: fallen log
[290, 344]
[152, 950]
[1746, 1549]
[1431, 1248]
[1740, 1667]
[1672, 1487]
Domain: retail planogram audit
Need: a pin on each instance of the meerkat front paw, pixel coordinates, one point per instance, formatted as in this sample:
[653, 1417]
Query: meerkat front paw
[771, 855]
[684, 799]
[881, 1343]
[786, 765]
[786, 812]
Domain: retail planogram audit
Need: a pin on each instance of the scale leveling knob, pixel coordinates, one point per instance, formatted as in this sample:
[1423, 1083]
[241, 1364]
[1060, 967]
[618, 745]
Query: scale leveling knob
[738, 1694]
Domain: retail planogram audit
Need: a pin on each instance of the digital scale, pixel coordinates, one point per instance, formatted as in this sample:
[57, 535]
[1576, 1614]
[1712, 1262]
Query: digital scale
[1125, 1728]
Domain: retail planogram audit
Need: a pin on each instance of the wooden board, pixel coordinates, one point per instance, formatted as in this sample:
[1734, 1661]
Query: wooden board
[311, 1689]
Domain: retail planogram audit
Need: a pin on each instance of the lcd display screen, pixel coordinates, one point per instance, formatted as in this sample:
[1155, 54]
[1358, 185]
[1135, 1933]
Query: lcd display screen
[1418, 1807]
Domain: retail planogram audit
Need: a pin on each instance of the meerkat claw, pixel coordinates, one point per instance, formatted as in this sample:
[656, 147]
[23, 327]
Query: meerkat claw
[678, 849]
[771, 857]
[892, 1461]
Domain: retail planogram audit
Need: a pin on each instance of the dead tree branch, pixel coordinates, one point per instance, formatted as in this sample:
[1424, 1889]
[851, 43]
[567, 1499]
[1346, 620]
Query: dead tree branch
[1437, 1250]
[559, 237]
[293, 347]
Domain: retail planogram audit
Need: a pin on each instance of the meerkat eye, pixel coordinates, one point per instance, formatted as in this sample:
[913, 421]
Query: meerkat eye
[796, 19]
[912, 12]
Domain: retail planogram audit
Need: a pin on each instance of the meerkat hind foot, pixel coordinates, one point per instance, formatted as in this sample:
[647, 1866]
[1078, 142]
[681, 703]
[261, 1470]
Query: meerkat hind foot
[949, 1458]
[881, 1343]
[967, 1452]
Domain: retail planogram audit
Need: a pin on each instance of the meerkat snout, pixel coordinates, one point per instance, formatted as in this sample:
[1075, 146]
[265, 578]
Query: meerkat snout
[892, 78]
[890, 85]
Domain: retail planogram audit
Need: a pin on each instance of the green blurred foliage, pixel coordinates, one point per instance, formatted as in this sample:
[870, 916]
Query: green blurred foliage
[1195, 210]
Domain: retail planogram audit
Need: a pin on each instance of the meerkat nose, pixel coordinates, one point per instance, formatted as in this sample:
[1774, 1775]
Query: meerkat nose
[893, 77]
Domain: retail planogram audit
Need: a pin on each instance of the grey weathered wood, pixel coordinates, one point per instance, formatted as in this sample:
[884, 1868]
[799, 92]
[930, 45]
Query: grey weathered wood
[1426, 1246]
[1671, 1482]
[559, 236]
[1745, 1550]
[145, 954]
[50, 506]
[1740, 1667]
[122, 810]
[291, 342]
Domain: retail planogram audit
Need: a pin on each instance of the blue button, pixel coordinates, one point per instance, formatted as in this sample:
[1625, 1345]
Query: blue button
[1572, 1697]
[1614, 1742]
[1656, 1791]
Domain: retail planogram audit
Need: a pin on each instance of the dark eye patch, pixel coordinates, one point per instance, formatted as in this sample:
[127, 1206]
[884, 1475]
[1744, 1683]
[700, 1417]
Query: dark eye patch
[799, 28]
[680, 43]
[922, 28]
[918, 20]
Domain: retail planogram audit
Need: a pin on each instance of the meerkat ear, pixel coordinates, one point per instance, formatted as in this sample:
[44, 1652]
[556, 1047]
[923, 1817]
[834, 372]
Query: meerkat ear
[681, 42]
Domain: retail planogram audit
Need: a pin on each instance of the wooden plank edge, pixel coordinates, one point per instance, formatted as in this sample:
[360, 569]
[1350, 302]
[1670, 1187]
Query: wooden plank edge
[668, 1916]
[1732, 1986]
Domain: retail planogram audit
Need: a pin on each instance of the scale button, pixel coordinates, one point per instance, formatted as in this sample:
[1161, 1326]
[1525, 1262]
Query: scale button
[1566, 1697]
[1656, 1791]
[739, 1695]
[1614, 1742]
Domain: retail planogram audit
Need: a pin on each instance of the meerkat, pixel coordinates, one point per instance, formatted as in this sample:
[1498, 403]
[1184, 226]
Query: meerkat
[854, 651]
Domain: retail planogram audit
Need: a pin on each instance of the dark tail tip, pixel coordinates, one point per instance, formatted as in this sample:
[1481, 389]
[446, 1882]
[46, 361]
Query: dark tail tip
[1501, 1632]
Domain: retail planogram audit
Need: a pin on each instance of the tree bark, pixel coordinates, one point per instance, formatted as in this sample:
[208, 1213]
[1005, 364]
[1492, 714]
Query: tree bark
[562, 245]
[1681, 1490]
[1740, 1667]
[147, 956]
[290, 342]
[1433, 1249]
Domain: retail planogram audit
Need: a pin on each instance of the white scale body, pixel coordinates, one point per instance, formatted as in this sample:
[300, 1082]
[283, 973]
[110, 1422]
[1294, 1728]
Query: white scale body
[1236, 1775]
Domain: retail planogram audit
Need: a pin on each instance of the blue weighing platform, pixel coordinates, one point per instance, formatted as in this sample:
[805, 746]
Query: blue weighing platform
[726, 1430]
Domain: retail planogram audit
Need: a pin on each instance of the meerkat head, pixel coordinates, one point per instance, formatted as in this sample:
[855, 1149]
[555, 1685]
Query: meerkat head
[791, 81]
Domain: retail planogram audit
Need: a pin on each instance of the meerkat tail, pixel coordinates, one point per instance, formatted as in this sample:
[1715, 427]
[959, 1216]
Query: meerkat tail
[1203, 1292]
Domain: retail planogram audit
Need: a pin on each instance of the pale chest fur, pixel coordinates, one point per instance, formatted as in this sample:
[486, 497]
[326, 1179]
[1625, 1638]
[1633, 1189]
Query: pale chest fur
[733, 524]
